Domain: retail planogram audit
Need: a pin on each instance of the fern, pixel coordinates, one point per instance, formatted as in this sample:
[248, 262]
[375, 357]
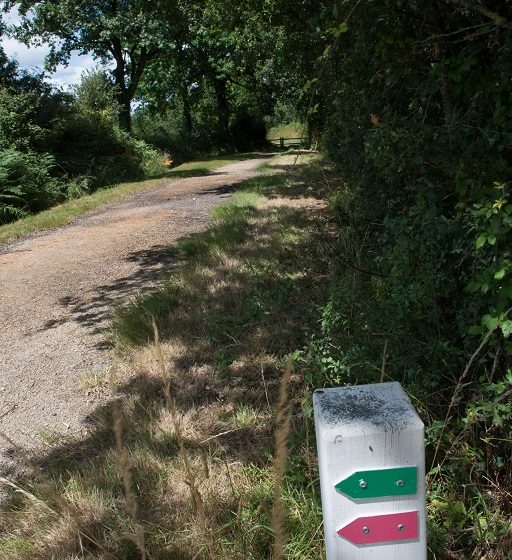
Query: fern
[26, 184]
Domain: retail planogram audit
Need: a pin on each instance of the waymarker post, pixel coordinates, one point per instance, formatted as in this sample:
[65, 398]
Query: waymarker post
[371, 457]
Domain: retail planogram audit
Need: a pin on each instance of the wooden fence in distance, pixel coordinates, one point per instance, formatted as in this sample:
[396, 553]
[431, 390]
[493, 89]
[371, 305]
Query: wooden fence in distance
[300, 142]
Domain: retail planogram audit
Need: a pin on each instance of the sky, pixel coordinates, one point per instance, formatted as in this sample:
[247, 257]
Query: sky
[32, 58]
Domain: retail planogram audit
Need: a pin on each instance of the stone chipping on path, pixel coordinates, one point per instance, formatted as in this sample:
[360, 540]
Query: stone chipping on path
[58, 289]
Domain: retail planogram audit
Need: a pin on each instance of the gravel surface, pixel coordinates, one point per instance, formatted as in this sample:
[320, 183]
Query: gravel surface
[57, 290]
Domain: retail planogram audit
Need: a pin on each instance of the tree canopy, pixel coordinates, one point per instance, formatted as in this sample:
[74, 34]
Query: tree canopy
[128, 34]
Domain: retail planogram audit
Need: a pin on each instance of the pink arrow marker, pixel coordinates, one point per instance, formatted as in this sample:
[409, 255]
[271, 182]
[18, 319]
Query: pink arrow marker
[382, 528]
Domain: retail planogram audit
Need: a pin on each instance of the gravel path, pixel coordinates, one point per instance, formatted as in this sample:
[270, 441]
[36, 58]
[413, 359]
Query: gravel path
[57, 290]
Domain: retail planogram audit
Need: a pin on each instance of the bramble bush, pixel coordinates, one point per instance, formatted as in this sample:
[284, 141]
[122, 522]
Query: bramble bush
[26, 184]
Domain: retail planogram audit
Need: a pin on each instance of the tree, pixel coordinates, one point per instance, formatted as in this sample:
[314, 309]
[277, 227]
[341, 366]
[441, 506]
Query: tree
[220, 64]
[130, 34]
[95, 92]
[8, 68]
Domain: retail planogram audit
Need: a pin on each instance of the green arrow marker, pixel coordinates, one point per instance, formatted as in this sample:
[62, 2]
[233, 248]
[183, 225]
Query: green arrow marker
[380, 483]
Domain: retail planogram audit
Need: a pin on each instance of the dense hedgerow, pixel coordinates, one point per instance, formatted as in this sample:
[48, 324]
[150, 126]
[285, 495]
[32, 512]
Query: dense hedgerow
[413, 104]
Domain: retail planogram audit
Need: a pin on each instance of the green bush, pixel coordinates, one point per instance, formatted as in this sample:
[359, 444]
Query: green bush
[421, 136]
[89, 144]
[166, 133]
[26, 184]
[151, 161]
[18, 128]
[54, 146]
[84, 150]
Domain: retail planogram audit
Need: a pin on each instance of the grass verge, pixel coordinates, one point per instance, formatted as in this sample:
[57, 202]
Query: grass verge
[201, 471]
[291, 130]
[65, 213]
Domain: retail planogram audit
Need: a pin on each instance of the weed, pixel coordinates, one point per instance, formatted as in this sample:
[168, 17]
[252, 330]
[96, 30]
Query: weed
[245, 416]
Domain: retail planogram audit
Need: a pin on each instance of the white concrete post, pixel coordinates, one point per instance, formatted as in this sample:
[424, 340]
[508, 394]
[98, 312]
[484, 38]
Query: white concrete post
[371, 458]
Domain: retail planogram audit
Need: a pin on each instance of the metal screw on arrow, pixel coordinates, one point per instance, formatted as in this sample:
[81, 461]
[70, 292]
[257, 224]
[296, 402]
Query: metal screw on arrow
[400, 483]
[366, 530]
[401, 528]
[362, 484]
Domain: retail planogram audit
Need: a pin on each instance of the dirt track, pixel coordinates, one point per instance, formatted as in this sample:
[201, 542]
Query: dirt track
[57, 290]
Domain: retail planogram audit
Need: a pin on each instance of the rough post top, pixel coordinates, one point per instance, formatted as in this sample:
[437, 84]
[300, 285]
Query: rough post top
[380, 407]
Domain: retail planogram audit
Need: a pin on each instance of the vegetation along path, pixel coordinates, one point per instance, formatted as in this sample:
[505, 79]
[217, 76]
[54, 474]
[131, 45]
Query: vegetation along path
[58, 289]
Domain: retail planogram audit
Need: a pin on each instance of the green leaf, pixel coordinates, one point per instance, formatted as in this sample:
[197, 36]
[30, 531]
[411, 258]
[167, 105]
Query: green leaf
[337, 31]
[506, 328]
[343, 28]
[508, 377]
[314, 109]
[474, 286]
[490, 322]
[326, 52]
[309, 83]
[498, 275]
[481, 241]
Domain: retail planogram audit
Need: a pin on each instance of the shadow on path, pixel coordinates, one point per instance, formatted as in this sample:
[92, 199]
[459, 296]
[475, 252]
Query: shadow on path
[93, 308]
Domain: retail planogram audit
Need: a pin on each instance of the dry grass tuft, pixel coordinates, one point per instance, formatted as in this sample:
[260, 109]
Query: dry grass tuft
[190, 473]
[64, 510]
[282, 433]
[125, 466]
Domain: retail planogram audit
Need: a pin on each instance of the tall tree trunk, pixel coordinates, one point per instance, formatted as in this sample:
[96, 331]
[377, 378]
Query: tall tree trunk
[187, 113]
[220, 86]
[124, 114]
[123, 97]
[127, 85]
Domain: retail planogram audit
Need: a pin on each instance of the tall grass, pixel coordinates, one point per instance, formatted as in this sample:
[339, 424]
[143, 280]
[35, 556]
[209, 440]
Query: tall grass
[282, 433]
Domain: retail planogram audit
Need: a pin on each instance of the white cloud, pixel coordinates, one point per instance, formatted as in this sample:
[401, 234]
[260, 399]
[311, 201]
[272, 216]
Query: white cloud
[32, 58]
[70, 74]
[12, 17]
[27, 57]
